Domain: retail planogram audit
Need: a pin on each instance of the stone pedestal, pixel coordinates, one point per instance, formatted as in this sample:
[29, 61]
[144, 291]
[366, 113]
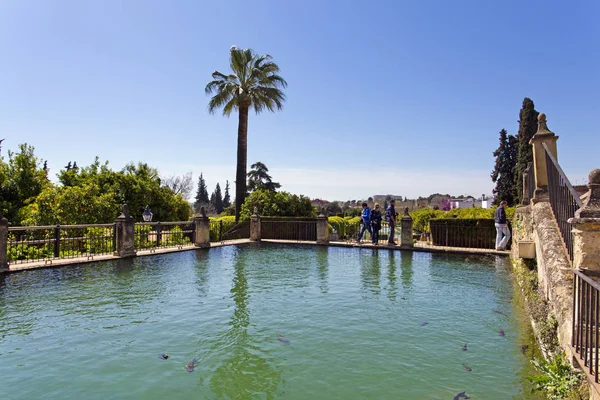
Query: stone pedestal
[125, 234]
[543, 135]
[255, 228]
[322, 229]
[406, 231]
[202, 237]
[3, 244]
[586, 228]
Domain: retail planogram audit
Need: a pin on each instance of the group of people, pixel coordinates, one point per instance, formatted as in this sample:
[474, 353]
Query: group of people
[371, 222]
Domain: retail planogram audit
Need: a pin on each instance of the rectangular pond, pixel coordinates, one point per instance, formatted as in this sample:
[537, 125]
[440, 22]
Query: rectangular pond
[266, 321]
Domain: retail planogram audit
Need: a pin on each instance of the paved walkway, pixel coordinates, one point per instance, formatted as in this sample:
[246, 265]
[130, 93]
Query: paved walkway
[420, 246]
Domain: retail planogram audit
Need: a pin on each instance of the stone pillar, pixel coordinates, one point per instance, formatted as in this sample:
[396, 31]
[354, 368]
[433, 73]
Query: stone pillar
[3, 244]
[255, 226]
[543, 135]
[202, 238]
[322, 229]
[125, 234]
[586, 228]
[406, 230]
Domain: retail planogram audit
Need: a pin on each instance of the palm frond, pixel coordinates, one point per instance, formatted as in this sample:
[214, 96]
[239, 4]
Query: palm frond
[230, 106]
[225, 92]
[254, 81]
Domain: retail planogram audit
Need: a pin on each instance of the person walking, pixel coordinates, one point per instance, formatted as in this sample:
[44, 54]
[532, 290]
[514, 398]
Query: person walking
[375, 223]
[390, 217]
[502, 231]
[366, 222]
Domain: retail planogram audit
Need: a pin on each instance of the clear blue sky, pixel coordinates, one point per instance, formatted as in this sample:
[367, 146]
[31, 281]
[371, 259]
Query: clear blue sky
[402, 97]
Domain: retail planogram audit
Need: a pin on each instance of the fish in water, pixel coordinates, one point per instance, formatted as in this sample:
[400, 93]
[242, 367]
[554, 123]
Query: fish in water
[467, 368]
[425, 323]
[282, 339]
[524, 348]
[500, 312]
[461, 395]
[501, 332]
[163, 356]
[464, 348]
[191, 365]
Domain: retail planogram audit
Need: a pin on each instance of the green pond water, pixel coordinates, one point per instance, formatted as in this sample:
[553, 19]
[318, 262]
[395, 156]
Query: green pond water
[361, 324]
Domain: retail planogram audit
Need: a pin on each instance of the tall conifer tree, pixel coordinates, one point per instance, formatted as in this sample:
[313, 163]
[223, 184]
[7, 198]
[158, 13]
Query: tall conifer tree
[527, 128]
[217, 200]
[226, 198]
[504, 170]
[201, 194]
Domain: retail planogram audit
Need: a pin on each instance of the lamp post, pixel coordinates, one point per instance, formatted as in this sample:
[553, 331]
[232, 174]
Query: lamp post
[147, 215]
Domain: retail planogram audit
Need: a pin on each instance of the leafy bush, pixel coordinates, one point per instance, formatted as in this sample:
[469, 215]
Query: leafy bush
[558, 379]
[277, 204]
[174, 237]
[143, 239]
[100, 240]
[24, 252]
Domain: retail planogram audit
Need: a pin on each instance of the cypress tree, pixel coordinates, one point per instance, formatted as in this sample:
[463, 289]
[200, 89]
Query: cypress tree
[217, 200]
[504, 170]
[226, 198]
[201, 194]
[527, 128]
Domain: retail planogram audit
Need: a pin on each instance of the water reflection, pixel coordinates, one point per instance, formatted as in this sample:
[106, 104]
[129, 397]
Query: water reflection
[406, 265]
[245, 372]
[371, 271]
[124, 267]
[323, 267]
[393, 286]
[201, 261]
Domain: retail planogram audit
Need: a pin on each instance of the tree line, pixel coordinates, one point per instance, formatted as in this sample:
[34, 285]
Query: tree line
[83, 195]
[217, 203]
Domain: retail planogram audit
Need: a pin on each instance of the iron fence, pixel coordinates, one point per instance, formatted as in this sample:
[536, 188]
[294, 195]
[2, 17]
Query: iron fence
[586, 314]
[45, 243]
[384, 233]
[241, 230]
[215, 229]
[477, 236]
[563, 198]
[160, 235]
[288, 230]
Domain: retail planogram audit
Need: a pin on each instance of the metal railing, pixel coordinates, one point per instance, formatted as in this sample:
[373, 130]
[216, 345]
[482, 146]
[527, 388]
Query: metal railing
[563, 198]
[46, 243]
[215, 229]
[161, 235]
[384, 233]
[288, 230]
[241, 230]
[586, 314]
[475, 236]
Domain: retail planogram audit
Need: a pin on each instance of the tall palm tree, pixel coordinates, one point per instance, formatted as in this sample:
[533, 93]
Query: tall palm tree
[254, 83]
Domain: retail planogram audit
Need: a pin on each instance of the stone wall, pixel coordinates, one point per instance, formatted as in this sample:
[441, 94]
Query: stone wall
[555, 278]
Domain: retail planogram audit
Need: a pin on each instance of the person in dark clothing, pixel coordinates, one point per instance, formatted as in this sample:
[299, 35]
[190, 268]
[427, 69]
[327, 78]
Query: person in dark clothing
[390, 217]
[375, 223]
[366, 222]
[502, 231]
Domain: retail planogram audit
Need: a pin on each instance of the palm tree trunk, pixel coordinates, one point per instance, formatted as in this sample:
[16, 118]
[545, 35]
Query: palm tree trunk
[242, 155]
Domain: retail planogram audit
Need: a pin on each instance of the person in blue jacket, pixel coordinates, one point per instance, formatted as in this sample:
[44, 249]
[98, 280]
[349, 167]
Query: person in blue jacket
[366, 222]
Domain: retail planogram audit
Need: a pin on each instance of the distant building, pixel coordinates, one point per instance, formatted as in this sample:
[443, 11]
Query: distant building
[469, 201]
